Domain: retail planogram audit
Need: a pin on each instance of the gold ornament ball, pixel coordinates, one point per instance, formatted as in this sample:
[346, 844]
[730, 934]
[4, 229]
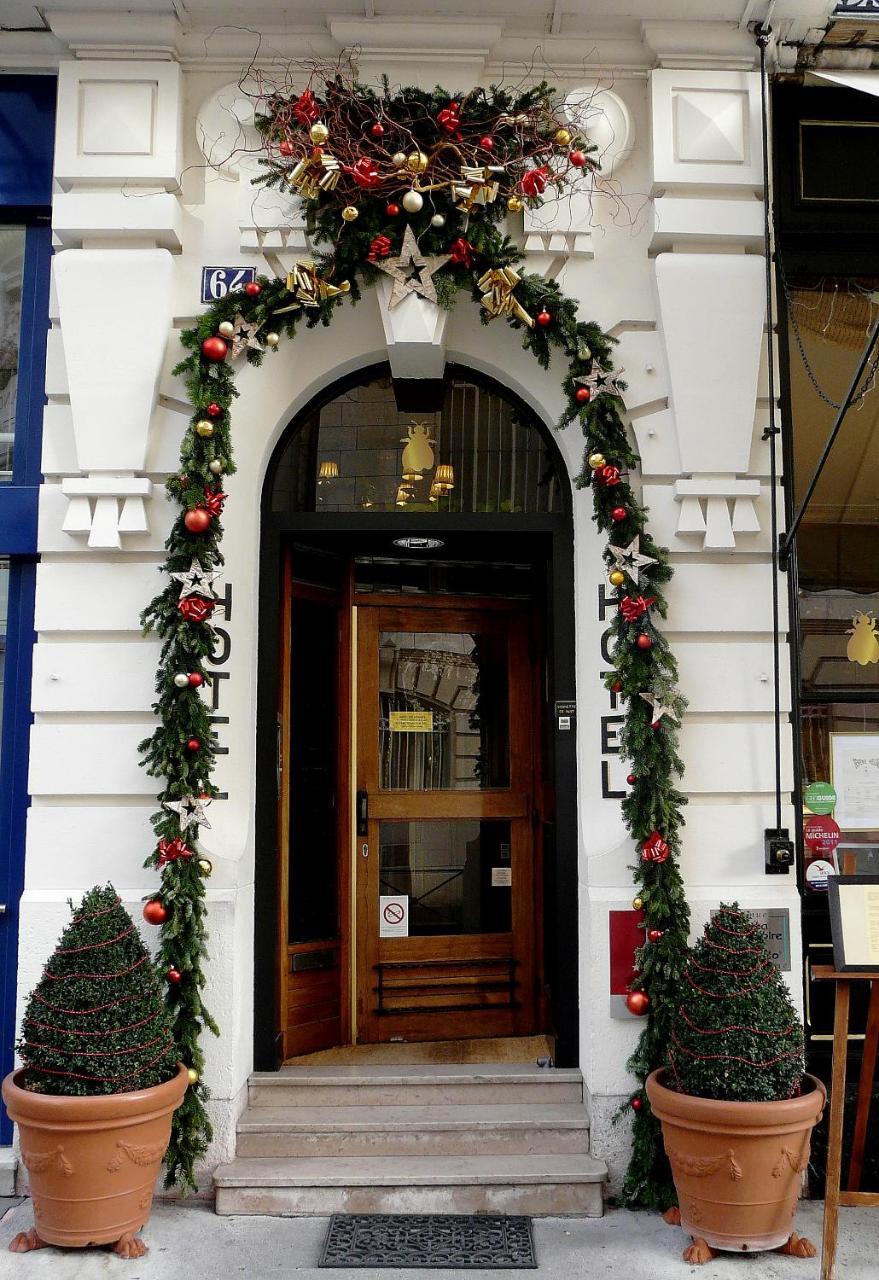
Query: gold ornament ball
[204, 428]
[413, 202]
[350, 213]
[319, 133]
[596, 460]
[562, 137]
[205, 866]
[272, 339]
[637, 903]
[515, 205]
[226, 329]
[192, 1075]
[216, 467]
[416, 162]
[617, 578]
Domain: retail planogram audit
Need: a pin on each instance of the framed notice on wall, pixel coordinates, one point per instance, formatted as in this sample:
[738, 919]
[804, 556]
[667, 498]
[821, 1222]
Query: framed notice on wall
[855, 765]
[854, 921]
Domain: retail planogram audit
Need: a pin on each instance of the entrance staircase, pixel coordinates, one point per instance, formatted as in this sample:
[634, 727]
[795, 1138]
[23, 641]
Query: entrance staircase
[426, 1138]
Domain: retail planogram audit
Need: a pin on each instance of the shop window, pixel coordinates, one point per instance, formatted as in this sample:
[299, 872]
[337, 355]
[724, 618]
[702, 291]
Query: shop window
[12, 241]
[4, 615]
[360, 453]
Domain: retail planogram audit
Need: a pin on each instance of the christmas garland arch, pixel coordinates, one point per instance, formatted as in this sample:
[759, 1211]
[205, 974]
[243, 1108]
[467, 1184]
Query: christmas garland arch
[412, 185]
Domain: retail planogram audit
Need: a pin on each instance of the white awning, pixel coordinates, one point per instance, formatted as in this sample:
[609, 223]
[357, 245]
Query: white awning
[866, 81]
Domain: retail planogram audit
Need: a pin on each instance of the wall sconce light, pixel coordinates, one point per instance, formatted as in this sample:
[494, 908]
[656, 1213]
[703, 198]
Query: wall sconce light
[444, 478]
[328, 471]
[404, 495]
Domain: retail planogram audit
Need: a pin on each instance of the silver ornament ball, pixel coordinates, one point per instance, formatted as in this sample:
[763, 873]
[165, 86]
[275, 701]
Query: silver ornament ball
[438, 220]
[399, 159]
[226, 329]
[181, 680]
[215, 467]
[413, 202]
[272, 339]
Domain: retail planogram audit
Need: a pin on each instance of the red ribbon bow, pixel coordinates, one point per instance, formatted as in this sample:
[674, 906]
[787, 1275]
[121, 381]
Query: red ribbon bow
[305, 108]
[364, 173]
[654, 848]
[632, 609]
[608, 476]
[196, 608]
[534, 181]
[171, 850]
[461, 252]
[380, 247]
[450, 119]
[213, 501]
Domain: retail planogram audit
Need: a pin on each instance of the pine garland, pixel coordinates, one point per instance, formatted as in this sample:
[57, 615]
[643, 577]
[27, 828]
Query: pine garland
[643, 662]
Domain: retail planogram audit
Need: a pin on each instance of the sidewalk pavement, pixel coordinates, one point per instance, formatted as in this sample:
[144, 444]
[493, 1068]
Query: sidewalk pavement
[192, 1243]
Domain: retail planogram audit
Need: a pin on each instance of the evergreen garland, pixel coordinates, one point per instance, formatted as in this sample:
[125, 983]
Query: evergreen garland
[643, 662]
[95, 1023]
[735, 1034]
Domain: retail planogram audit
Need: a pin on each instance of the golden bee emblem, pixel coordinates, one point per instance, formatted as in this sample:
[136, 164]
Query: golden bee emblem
[863, 647]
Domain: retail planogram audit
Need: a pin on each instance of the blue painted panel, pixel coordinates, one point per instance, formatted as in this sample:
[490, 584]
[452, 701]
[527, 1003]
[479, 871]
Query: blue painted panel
[14, 800]
[18, 519]
[27, 139]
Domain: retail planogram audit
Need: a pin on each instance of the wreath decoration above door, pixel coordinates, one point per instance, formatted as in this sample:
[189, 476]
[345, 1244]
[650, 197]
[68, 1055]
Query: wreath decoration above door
[413, 187]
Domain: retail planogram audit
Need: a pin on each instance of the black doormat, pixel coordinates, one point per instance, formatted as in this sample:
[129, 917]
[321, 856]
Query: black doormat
[455, 1241]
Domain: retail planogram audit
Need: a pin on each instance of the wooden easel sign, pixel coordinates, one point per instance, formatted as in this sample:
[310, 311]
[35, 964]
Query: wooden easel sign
[854, 922]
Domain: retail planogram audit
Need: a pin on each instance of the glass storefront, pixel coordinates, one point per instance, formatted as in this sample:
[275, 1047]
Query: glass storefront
[11, 268]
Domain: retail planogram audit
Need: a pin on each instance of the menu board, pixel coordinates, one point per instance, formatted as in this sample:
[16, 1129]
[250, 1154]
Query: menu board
[854, 920]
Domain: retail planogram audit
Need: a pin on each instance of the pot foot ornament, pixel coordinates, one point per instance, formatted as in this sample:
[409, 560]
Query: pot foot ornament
[672, 1216]
[798, 1247]
[25, 1241]
[130, 1246]
[698, 1252]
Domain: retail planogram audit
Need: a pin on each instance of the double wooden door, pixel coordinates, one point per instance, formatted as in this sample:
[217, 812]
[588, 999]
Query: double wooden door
[446, 819]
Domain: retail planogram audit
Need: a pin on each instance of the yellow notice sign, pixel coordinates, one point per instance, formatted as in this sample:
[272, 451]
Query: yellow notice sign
[411, 722]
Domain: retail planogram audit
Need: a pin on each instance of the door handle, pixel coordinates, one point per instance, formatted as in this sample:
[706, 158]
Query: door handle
[362, 813]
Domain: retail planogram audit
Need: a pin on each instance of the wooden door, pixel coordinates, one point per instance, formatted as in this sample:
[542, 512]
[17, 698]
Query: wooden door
[446, 821]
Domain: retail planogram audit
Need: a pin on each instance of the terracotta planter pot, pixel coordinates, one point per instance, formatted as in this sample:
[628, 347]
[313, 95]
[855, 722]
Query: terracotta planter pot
[92, 1162]
[737, 1166]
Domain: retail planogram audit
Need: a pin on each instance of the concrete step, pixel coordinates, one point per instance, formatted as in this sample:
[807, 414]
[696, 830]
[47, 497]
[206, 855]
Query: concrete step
[499, 1083]
[542, 1185]
[468, 1129]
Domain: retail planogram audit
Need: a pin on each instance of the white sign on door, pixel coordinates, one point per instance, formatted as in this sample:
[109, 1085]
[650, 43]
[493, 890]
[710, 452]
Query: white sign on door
[393, 916]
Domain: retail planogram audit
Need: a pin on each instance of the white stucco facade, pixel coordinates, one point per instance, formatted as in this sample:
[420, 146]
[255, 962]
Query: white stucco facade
[668, 259]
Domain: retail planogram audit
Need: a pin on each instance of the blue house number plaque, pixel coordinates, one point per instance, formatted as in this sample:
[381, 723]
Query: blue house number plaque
[216, 282]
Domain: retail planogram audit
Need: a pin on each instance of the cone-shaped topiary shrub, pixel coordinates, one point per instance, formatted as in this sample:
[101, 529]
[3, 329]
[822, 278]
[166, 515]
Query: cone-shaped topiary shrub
[96, 1022]
[736, 1035]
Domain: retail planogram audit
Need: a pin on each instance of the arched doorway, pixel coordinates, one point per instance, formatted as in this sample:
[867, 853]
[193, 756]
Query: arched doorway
[416, 823]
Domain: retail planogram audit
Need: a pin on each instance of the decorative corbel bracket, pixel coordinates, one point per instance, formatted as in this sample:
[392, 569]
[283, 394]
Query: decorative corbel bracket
[717, 510]
[105, 507]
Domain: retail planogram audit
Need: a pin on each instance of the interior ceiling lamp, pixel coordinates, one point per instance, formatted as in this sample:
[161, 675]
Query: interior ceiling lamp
[404, 495]
[444, 478]
[328, 471]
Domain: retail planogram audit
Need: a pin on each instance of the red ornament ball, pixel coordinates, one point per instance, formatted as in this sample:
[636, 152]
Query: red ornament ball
[214, 349]
[155, 911]
[582, 395]
[653, 935]
[577, 158]
[618, 514]
[617, 686]
[194, 744]
[656, 724]
[632, 778]
[644, 641]
[392, 210]
[174, 976]
[252, 289]
[377, 130]
[286, 147]
[638, 1002]
[198, 520]
[214, 410]
[196, 679]
[487, 143]
[636, 1104]
[544, 319]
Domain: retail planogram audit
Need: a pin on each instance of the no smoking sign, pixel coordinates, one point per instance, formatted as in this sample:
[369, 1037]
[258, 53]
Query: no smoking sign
[393, 916]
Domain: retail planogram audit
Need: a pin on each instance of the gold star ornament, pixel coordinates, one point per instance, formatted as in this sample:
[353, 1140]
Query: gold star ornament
[412, 271]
